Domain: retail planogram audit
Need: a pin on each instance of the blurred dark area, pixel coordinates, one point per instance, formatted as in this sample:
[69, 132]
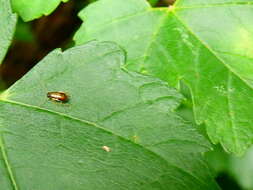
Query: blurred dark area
[165, 3]
[226, 182]
[34, 40]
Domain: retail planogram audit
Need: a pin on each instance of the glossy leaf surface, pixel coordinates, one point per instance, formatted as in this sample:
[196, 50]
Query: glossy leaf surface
[206, 44]
[119, 129]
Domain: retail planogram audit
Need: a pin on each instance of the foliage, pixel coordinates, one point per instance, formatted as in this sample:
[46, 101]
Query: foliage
[205, 44]
[238, 168]
[32, 9]
[242, 169]
[7, 27]
[146, 87]
[153, 2]
[133, 115]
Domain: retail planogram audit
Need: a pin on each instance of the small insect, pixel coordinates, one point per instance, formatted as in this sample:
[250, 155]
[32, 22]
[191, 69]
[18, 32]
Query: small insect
[106, 148]
[58, 96]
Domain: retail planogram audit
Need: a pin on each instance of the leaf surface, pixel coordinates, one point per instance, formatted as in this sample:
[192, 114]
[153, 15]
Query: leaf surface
[7, 27]
[242, 169]
[153, 2]
[206, 44]
[119, 129]
[32, 9]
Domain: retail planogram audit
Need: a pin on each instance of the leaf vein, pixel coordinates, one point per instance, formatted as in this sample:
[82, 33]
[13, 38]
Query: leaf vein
[210, 50]
[7, 164]
[230, 110]
[108, 131]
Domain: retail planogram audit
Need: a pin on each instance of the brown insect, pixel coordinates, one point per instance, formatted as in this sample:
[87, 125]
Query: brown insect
[58, 96]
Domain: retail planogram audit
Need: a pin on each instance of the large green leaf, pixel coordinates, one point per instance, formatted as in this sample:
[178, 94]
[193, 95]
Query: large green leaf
[207, 44]
[50, 145]
[32, 9]
[7, 27]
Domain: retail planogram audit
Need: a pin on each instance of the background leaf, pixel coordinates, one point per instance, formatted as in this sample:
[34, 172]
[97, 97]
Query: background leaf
[59, 146]
[153, 2]
[206, 44]
[7, 27]
[32, 9]
[238, 170]
[242, 169]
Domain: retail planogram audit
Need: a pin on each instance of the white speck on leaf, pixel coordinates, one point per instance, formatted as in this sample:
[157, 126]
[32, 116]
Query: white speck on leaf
[106, 148]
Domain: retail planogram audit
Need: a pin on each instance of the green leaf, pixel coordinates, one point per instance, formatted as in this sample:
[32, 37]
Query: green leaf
[153, 2]
[32, 9]
[239, 169]
[7, 27]
[206, 44]
[24, 32]
[57, 145]
[242, 169]
[218, 160]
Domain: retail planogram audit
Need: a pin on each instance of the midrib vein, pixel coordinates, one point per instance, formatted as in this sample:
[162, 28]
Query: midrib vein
[228, 67]
[230, 111]
[105, 130]
[154, 36]
[6, 161]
